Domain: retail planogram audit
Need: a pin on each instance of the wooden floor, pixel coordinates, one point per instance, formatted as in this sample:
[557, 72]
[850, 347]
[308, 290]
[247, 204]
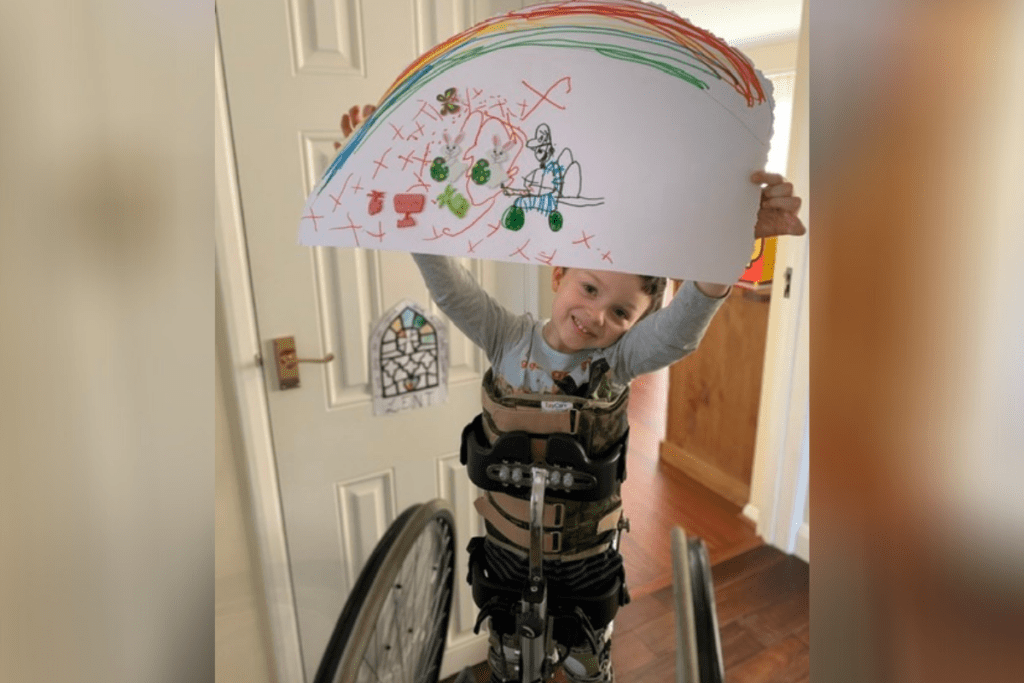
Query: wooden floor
[761, 594]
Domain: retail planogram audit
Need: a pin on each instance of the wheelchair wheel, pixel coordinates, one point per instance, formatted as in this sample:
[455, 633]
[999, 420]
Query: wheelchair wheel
[394, 624]
[698, 644]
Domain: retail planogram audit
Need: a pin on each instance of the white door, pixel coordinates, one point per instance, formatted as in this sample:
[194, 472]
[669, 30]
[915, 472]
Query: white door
[291, 67]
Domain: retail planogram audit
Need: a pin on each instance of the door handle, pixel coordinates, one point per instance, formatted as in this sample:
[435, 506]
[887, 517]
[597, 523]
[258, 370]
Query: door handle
[287, 362]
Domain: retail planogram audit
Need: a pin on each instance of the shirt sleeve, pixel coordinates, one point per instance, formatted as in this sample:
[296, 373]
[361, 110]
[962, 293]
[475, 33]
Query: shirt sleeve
[666, 335]
[487, 323]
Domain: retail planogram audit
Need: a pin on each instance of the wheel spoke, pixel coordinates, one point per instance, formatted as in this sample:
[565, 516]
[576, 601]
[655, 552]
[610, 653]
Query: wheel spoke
[399, 649]
[418, 598]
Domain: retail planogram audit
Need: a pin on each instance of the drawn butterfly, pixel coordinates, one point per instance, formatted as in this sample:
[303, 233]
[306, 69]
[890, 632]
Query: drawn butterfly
[449, 103]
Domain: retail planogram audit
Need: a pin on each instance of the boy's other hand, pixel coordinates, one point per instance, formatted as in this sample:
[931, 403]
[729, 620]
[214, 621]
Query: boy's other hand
[777, 214]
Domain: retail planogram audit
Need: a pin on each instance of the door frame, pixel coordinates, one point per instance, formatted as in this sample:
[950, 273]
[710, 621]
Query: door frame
[241, 347]
[779, 482]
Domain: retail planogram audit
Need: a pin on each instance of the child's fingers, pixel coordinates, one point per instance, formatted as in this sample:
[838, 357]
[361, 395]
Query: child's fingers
[788, 203]
[775, 223]
[764, 177]
[782, 189]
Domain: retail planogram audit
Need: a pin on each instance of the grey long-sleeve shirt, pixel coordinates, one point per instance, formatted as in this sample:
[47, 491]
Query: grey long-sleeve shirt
[523, 362]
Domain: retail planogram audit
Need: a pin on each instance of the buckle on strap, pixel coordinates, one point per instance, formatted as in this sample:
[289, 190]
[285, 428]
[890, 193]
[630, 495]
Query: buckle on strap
[512, 531]
[517, 508]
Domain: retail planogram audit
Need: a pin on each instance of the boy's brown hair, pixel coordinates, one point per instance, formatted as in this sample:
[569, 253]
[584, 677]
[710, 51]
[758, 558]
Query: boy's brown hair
[654, 287]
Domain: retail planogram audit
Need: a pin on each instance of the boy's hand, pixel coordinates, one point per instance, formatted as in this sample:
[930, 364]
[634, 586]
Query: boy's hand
[354, 118]
[777, 215]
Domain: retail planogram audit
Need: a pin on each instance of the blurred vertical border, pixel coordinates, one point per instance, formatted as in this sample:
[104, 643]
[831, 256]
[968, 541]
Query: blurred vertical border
[917, 342]
[106, 341]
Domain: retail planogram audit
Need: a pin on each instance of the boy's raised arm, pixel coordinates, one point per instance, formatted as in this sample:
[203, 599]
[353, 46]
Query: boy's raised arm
[486, 322]
[667, 335]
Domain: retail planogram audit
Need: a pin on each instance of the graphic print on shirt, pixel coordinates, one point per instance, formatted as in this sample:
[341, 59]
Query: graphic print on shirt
[536, 378]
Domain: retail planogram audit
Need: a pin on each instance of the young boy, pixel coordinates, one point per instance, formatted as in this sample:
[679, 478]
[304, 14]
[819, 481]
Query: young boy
[595, 315]
[605, 329]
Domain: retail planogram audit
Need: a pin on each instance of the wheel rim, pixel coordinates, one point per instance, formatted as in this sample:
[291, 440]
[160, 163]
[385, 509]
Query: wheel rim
[409, 636]
[396, 621]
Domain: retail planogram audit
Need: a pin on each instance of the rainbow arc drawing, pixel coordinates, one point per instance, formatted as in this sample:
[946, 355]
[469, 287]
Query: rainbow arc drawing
[608, 134]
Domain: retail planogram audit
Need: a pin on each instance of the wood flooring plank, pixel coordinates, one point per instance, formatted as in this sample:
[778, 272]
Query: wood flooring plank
[756, 560]
[771, 624]
[638, 612]
[786, 661]
[666, 596]
[630, 652]
[797, 668]
[660, 634]
[738, 644]
[734, 549]
[779, 582]
[660, 670]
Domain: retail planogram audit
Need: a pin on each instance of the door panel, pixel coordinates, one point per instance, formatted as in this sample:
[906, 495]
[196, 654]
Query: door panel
[291, 68]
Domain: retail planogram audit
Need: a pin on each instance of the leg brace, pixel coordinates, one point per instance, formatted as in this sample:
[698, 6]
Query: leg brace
[582, 565]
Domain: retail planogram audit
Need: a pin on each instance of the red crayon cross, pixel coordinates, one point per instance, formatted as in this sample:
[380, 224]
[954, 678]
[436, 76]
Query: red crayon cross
[380, 163]
[585, 240]
[521, 251]
[351, 226]
[544, 97]
[313, 217]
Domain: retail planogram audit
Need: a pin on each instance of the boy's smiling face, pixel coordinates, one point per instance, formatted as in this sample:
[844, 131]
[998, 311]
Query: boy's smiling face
[593, 308]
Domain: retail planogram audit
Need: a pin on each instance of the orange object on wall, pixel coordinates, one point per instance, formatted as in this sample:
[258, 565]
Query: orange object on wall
[761, 268]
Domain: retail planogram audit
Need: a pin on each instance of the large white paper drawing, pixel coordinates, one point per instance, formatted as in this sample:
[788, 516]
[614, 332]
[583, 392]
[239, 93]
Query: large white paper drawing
[604, 134]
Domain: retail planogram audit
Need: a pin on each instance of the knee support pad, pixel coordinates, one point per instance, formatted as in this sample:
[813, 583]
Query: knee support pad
[575, 613]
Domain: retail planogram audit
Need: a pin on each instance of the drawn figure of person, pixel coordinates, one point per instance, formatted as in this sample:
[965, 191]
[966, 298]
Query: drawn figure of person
[556, 180]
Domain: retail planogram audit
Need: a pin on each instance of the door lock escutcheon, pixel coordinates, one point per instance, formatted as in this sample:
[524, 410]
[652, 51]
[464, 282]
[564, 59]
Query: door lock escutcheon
[287, 362]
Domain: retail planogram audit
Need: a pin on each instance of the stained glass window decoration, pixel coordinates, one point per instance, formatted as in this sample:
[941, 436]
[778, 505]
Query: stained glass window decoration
[408, 359]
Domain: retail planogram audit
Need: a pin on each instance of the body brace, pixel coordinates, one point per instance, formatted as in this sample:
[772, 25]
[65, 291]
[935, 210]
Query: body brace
[582, 444]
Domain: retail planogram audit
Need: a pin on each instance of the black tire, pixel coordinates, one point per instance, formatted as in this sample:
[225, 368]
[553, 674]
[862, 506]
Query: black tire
[709, 650]
[347, 648]
[698, 645]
